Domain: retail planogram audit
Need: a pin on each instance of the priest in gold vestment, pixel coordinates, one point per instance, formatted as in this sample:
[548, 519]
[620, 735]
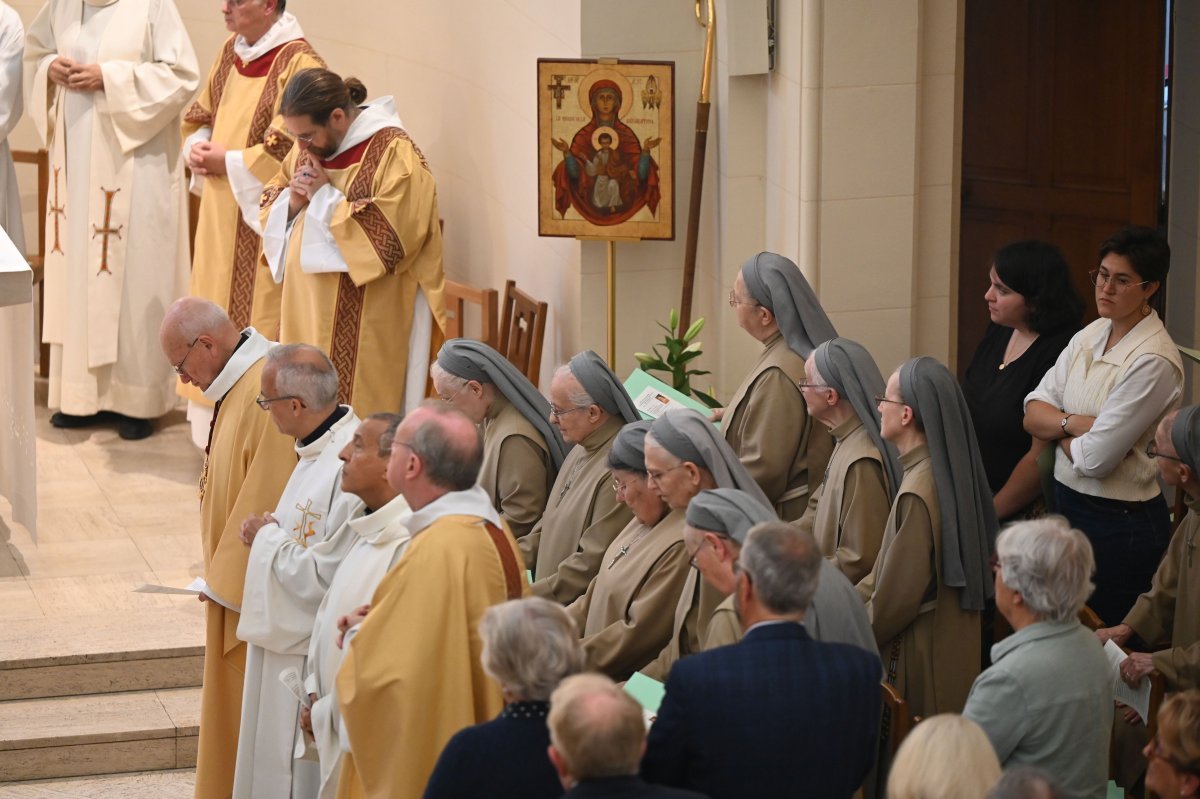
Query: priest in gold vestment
[247, 464]
[412, 675]
[234, 143]
[351, 227]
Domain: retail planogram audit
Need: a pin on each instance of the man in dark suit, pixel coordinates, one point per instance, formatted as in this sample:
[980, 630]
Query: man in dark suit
[777, 714]
[597, 737]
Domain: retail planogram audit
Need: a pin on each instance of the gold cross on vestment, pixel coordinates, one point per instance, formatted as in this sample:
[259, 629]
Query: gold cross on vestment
[558, 89]
[304, 528]
[56, 211]
[107, 230]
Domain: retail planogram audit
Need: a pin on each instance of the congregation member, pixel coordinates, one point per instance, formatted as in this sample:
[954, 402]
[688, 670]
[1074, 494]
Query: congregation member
[625, 615]
[378, 539]
[246, 466]
[293, 557]
[1165, 619]
[12, 46]
[1025, 782]
[597, 736]
[944, 757]
[766, 422]
[848, 511]
[589, 406]
[685, 454]
[1173, 757]
[529, 647]
[397, 711]
[931, 579]
[116, 248]
[718, 522]
[1034, 311]
[730, 713]
[1046, 700]
[234, 142]
[522, 451]
[1099, 406]
[350, 225]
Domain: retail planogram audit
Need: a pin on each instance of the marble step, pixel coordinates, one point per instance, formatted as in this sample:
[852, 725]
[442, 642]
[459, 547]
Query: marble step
[74, 736]
[161, 647]
[177, 784]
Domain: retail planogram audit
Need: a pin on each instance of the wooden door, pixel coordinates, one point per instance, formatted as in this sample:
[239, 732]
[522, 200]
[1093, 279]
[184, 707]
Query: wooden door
[1062, 134]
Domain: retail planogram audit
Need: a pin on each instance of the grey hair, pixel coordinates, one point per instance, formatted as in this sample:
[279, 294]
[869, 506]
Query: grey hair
[314, 382]
[391, 421]
[1025, 782]
[203, 318]
[529, 646]
[1049, 564]
[447, 462]
[784, 563]
[454, 382]
[579, 398]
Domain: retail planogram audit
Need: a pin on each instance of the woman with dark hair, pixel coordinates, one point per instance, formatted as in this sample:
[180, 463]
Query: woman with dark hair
[1100, 405]
[1034, 311]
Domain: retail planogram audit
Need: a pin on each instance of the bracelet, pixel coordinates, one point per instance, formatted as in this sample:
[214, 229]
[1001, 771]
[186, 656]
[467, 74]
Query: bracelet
[1063, 424]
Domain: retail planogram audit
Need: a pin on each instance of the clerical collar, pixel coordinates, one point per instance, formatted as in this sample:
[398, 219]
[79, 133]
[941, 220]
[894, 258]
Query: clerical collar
[250, 348]
[324, 427]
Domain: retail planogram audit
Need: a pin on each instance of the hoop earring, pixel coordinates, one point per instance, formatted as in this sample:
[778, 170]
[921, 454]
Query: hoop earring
[1145, 309]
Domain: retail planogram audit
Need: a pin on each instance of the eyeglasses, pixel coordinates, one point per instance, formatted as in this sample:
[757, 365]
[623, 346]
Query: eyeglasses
[179, 366]
[1151, 452]
[620, 488]
[735, 301]
[450, 399]
[803, 384]
[1157, 751]
[1101, 278]
[265, 402]
[561, 412]
[657, 475]
[883, 398]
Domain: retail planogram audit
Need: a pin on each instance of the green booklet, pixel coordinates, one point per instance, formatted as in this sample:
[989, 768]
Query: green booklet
[647, 691]
[652, 397]
[1189, 353]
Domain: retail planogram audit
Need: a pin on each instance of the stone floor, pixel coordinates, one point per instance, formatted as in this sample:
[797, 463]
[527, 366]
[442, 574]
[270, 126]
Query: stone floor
[112, 515]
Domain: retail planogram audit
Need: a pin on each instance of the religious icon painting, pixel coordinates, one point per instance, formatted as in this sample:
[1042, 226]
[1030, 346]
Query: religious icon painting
[606, 149]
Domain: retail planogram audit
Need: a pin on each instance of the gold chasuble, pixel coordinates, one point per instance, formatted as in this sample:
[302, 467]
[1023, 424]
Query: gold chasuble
[362, 263]
[412, 676]
[248, 463]
[239, 109]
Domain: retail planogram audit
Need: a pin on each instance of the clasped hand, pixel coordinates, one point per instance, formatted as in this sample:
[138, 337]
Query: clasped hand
[307, 180]
[67, 73]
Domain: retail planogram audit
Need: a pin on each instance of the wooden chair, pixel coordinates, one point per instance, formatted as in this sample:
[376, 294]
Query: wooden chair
[458, 295]
[896, 721]
[523, 330]
[37, 258]
[1089, 619]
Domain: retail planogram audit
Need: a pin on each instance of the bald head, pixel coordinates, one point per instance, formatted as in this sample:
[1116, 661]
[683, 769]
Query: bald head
[596, 729]
[189, 317]
[437, 449]
[198, 339]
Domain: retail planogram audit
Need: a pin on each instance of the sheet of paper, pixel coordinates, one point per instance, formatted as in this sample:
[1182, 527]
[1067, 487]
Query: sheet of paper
[1136, 698]
[192, 589]
[647, 691]
[290, 677]
[652, 397]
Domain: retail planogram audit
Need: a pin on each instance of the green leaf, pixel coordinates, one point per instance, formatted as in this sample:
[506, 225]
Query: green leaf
[694, 330]
[696, 372]
[707, 399]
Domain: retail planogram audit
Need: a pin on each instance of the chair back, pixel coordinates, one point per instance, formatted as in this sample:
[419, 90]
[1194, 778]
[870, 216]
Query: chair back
[523, 330]
[1089, 619]
[458, 296]
[896, 721]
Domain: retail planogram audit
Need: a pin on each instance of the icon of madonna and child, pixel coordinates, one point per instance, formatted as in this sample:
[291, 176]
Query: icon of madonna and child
[607, 175]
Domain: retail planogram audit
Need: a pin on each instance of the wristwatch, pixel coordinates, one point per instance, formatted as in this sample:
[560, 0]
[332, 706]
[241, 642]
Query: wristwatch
[1063, 424]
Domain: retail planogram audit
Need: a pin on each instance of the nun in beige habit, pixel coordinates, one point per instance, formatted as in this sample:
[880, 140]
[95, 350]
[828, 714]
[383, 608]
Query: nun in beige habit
[522, 451]
[625, 616]
[846, 514]
[932, 576]
[685, 454]
[564, 549]
[766, 422]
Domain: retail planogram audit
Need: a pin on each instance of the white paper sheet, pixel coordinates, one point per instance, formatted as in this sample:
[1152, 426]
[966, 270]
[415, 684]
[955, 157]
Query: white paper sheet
[1136, 698]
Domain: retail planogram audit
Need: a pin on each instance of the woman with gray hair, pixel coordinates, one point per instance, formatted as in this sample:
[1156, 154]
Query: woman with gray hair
[930, 581]
[766, 422]
[625, 615]
[522, 451]
[529, 646]
[1046, 701]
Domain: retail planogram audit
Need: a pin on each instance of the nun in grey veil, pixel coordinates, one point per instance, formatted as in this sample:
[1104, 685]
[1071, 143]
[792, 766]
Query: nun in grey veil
[691, 437]
[605, 389]
[778, 285]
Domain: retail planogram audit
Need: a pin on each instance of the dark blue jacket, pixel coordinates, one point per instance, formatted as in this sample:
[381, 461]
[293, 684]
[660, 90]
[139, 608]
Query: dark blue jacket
[775, 715]
[620, 787]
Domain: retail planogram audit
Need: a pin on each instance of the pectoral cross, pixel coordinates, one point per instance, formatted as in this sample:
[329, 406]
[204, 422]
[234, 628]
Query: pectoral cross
[304, 529]
[620, 554]
[56, 211]
[107, 230]
[558, 89]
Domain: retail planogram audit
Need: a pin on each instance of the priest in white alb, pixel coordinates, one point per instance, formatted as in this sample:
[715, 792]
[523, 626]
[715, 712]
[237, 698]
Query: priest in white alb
[292, 561]
[378, 540]
[105, 83]
[351, 227]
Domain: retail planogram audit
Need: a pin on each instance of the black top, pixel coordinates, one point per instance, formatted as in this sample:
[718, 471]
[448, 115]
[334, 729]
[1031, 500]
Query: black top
[630, 786]
[504, 758]
[996, 397]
